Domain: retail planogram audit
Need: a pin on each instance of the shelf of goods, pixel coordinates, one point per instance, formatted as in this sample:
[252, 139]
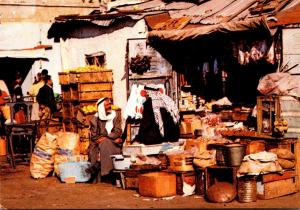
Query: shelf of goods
[271, 108]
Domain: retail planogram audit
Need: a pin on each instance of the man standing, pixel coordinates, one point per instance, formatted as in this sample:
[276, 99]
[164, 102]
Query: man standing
[46, 99]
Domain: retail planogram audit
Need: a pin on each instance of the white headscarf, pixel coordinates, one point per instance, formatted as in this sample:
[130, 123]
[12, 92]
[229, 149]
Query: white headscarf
[102, 115]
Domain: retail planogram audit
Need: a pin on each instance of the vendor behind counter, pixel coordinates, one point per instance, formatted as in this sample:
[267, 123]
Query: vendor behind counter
[160, 121]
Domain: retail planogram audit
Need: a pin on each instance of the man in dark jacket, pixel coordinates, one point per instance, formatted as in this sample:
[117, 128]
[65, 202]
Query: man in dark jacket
[46, 99]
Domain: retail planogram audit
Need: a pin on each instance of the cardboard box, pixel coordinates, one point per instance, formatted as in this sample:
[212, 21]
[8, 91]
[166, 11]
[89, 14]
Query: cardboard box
[157, 184]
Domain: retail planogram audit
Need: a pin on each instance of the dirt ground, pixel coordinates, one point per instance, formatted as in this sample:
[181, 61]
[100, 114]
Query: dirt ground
[19, 191]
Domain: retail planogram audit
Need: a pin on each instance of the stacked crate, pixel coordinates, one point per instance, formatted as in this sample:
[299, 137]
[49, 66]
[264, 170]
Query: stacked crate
[81, 90]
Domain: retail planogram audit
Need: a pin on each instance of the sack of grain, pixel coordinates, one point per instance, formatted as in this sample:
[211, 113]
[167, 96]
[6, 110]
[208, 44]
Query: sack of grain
[42, 159]
[286, 164]
[283, 153]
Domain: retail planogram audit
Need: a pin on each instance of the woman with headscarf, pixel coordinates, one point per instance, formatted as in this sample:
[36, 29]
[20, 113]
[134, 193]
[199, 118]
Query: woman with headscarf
[106, 139]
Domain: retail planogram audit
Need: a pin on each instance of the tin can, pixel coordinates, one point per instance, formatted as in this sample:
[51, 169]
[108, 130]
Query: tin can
[247, 189]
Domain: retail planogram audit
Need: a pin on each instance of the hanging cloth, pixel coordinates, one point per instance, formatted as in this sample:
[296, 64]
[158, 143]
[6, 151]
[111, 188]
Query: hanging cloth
[160, 100]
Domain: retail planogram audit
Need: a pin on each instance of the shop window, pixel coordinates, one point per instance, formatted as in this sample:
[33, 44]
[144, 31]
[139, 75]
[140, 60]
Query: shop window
[97, 59]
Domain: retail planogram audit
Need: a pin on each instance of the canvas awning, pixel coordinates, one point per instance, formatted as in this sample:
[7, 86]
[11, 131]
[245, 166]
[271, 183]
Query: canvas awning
[197, 32]
[33, 53]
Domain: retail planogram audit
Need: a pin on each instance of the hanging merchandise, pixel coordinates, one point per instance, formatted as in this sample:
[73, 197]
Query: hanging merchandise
[271, 55]
[258, 50]
[159, 101]
[140, 99]
[134, 107]
[129, 109]
[216, 69]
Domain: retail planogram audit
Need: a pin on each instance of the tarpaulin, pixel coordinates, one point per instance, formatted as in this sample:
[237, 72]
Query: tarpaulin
[23, 53]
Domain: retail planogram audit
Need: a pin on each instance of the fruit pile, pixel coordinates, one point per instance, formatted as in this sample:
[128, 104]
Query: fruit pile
[87, 68]
[89, 109]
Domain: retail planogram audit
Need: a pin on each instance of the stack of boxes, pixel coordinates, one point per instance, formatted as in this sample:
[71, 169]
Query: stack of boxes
[80, 92]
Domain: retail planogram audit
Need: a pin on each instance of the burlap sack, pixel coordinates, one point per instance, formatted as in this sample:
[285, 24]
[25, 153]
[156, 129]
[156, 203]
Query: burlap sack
[42, 159]
[283, 153]
[286, 164]
[69, 142]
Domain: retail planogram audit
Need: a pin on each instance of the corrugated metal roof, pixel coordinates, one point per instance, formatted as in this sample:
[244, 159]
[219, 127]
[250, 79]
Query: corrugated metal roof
[209, 12]
[154, 4]
[288, 16]
[179, 6]
[229, 12]
[292, 4]
[201, 11]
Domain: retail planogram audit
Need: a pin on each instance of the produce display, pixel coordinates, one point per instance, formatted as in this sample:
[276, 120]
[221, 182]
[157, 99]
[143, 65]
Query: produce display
[89, 109]
[87, 68]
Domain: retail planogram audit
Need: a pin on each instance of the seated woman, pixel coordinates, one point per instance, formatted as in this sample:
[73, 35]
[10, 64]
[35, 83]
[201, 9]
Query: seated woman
[106, 131]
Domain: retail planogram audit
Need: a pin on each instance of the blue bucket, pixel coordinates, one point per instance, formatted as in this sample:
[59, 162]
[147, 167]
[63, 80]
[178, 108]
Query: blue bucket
[74, 169]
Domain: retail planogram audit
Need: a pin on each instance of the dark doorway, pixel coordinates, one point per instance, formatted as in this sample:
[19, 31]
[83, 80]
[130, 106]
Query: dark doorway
[9, 67]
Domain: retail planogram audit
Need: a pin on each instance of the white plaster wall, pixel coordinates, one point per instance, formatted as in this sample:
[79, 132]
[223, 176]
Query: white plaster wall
[114, 45]
[28, 35]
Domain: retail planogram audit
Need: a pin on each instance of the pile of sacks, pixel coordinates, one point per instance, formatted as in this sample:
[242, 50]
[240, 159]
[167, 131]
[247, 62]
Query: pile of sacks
[275, 160]
[286, 158]
[52, 150]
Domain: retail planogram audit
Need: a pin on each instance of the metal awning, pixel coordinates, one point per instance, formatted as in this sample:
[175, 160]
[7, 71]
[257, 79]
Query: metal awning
[252, 24]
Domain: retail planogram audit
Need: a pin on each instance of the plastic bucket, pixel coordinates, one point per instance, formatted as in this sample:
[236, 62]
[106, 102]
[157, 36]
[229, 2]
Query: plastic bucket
[234, 154]
[74, 169]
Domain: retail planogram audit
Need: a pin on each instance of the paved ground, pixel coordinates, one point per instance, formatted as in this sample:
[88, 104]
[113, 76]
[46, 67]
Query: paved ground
[19, 190]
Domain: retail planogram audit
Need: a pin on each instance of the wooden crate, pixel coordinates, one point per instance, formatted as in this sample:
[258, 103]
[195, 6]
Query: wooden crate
[276, 189]
[97, 86]
[200, 181]
[221, 174]
[157, 184]
[240, 116]
[131, 183]
[276, 176]
[84, 145]
[95, 76]
[88, 96]
[254, 146]
[66, 92]
[64, 78]
[184, 177]
[131, 175]
[69, 110]
[68, 125]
